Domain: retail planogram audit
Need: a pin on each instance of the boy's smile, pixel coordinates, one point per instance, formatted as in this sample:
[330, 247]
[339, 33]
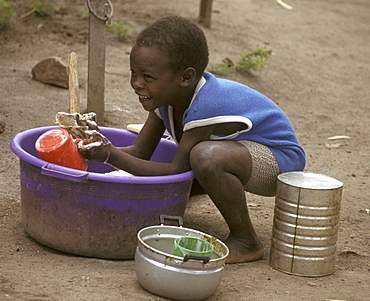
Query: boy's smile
[153, 79]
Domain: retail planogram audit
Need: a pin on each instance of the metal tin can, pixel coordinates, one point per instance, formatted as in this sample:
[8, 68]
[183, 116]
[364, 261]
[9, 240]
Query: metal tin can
[305, 229]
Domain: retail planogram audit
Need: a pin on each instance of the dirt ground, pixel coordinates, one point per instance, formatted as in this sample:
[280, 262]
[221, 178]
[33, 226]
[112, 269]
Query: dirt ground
[318, 74]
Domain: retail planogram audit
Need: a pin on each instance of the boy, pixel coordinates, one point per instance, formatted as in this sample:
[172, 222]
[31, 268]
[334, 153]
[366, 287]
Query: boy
[232, 137]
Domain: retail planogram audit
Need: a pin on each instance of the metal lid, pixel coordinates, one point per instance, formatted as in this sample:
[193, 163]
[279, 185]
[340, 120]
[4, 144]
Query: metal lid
[309, 180]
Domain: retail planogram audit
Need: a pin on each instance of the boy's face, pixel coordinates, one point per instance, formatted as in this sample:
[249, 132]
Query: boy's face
[153, 79]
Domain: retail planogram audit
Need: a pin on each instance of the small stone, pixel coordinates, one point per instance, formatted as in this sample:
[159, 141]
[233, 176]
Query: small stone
[2, 126]
[51, 71]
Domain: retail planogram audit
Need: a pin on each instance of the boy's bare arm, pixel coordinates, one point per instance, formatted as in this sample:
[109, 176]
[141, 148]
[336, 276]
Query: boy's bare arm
[189, 139]
[179, 164]
[148, 138]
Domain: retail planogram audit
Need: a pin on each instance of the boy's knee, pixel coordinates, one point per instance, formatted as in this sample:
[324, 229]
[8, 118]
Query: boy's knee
[202, 156]
[196, 154]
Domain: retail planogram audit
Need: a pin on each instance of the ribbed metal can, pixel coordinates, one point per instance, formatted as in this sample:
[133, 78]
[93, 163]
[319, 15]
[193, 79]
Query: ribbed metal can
[305, 229]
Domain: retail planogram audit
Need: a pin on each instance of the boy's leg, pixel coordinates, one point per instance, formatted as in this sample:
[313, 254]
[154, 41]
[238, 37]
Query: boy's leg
[222, 168]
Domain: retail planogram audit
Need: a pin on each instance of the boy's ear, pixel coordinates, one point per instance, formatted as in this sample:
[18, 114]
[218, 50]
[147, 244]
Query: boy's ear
[188, 76]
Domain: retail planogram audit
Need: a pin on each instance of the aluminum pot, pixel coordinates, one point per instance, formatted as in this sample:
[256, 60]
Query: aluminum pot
[162, 273]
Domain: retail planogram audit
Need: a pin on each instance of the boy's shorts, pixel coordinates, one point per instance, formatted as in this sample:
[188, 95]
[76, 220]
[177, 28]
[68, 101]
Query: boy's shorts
[265, 169]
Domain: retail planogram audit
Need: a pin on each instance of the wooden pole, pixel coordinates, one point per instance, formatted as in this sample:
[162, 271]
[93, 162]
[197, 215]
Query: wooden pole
[205, 12]
[96, 61]
[74, 95]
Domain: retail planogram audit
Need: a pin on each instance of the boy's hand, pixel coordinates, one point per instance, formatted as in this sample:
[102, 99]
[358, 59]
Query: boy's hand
[95, 147]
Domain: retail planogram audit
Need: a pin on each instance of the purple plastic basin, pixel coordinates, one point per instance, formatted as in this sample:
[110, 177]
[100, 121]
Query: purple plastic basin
[91, 213]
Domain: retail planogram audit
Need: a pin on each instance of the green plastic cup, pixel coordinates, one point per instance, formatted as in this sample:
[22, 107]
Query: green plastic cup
[192, 245]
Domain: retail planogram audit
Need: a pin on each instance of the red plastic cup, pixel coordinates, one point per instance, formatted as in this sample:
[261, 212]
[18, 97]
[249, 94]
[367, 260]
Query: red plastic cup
[57, 146]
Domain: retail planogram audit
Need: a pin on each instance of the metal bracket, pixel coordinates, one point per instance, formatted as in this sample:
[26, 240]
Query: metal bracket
[108, 11]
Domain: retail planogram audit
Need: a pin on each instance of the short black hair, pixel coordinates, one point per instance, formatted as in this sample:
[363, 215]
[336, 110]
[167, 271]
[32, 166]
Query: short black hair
[182, 40]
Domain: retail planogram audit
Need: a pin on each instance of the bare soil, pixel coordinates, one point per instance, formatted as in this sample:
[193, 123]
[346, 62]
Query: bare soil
[318, 74]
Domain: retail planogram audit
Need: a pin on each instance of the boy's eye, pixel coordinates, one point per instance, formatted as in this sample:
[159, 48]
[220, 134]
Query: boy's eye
[147, 76]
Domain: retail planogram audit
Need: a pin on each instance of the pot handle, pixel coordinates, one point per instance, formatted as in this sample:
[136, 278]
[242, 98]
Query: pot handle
[64, 173]
[163, 217]
[205, 259]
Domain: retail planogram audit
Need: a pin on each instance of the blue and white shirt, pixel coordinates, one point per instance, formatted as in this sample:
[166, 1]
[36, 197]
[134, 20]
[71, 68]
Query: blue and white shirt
[219, 100]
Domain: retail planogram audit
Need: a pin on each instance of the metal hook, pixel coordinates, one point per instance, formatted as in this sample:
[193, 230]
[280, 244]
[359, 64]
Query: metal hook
[108, 10]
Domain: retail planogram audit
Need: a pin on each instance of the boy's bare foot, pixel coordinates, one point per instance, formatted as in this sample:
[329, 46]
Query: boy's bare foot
[242, 250]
